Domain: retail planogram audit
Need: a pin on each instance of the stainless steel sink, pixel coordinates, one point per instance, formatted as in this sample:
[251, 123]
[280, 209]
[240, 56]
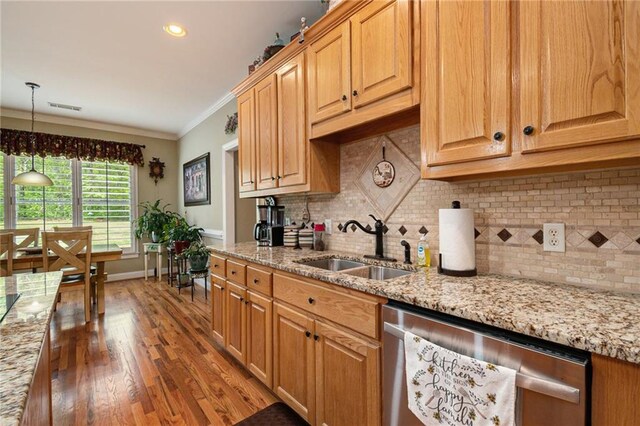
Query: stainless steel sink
[379, 273]
[333, 264]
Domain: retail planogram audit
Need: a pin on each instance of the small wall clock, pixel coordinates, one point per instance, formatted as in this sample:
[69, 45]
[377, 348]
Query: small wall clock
[156, 169]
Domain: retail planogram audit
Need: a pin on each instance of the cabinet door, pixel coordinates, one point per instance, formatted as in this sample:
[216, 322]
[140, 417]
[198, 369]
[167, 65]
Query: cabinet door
[246, 142]
[259, 340]
[218, 314]
[580, 72]
[330, 74]
[235, 332]
[348, 378]
[381, 47]
[266, 133]
[293, 360]
[292, 139]
[467, 89]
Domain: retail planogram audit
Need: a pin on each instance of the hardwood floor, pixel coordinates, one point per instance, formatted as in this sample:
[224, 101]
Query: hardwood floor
[149, 360]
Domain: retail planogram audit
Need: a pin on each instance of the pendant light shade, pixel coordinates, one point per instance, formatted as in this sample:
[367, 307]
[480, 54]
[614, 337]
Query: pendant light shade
[32, 177]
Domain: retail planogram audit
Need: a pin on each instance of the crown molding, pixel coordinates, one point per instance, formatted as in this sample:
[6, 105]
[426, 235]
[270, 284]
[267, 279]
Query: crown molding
[207, 113]
[67, 121]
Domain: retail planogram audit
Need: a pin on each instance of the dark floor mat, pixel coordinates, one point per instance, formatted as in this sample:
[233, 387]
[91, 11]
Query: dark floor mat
[276, 414]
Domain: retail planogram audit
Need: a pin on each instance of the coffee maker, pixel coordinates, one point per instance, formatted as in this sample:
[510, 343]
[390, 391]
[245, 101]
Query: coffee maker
[269, 231]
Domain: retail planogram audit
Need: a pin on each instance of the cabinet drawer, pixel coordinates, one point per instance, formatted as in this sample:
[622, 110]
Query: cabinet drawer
[350, 311]
[259, 280]
[236, 272]
[218, 265]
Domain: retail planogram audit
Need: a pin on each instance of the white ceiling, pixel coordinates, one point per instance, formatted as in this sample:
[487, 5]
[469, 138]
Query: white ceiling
[114, 60]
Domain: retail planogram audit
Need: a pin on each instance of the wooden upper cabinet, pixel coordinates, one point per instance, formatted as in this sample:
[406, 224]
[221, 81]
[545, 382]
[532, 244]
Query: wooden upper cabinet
[348, 378]
[330, 74]
[246, 142]
[266, 99]
[292, 139]
[580, 72]
[381, 50]
[466, 81]
[293, 359]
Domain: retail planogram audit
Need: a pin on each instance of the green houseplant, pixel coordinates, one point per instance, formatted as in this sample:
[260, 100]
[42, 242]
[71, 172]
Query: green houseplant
[198, 255]
[179, 233]
[151, 223]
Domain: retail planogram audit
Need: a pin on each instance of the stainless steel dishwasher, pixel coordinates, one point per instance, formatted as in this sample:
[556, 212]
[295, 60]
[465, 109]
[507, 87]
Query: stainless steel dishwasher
[553, 381]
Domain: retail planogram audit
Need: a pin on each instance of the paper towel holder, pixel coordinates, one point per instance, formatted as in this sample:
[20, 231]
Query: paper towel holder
[470, 273]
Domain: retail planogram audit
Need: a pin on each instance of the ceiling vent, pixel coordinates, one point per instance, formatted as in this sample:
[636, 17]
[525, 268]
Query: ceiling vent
[63, 106]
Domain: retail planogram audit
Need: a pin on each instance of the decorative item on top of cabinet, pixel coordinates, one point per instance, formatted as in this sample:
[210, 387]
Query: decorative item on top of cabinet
[575, 75]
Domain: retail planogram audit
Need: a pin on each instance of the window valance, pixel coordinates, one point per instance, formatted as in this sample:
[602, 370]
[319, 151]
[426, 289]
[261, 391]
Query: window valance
[17, 142]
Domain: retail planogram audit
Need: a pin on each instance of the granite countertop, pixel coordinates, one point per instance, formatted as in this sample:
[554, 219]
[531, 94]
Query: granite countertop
[602, 322]
[22, 333]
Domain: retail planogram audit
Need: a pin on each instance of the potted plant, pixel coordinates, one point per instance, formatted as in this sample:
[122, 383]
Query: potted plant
[179, 233]
[151, 223]
[198, 255]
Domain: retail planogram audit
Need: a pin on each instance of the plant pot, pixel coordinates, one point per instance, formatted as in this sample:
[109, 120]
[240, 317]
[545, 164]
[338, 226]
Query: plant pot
[198, 263]
[155, 237]
[181, 246]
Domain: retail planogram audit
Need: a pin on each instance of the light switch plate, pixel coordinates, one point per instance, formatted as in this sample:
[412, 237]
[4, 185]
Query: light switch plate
[328, 226]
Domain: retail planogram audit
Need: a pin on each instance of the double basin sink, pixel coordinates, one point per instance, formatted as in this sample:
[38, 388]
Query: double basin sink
[358, 269]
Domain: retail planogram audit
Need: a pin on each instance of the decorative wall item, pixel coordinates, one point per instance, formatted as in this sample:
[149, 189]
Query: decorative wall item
[269, 51]
[156, 169]
[195, 177]
[384, 173]
[232, 124]
[387, 190]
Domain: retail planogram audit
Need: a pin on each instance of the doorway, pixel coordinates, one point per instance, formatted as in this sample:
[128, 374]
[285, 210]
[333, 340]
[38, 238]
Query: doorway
[238, 214]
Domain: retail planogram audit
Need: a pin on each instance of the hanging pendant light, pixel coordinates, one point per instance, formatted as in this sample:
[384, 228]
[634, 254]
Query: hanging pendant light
[32, 177]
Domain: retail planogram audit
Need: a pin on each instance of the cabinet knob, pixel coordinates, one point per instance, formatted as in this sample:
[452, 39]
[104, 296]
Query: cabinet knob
[528, 130]
[279, 177]
[215, 265]
[355, 93]
[316, 337]
[233, 272]
[272, 178]
[241, 299]
[251, 182]
[256, 281]
[307, 333]
[311, 300]
[498, 136]
[344, 97]
[246, 302]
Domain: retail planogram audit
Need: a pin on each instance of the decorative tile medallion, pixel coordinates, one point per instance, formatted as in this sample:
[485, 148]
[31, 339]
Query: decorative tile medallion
[368, 227]
[385, 200]
[385, 229]
[402, 230]
[423, 231]
[598, 239]
[538, 236]
[504, 235]
[353, 228]
[476, 233]
[340, 226]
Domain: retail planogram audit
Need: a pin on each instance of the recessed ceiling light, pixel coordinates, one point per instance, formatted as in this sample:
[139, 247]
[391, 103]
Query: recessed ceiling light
[175, 30]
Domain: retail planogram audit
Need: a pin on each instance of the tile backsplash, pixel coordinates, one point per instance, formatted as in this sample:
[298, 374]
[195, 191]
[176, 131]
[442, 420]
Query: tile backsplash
[600, 211]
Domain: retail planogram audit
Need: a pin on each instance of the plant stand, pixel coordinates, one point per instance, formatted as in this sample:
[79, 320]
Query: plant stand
[157, 249]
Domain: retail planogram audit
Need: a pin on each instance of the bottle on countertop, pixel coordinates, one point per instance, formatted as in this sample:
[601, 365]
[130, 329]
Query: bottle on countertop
[318, 235]
[424, 254]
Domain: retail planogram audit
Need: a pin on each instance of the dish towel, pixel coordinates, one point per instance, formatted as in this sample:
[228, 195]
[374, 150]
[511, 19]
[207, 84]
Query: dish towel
[445, 387]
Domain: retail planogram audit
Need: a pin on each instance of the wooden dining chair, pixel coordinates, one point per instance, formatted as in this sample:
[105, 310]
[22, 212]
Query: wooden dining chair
[6, 254]
[22, 238]
[70, 252]
[73, 228]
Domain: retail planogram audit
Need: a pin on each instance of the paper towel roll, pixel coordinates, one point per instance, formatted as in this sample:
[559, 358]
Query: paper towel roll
[457, 240]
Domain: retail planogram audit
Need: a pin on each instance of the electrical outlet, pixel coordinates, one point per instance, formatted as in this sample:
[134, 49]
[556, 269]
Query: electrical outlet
[328, 226]
[553, 237]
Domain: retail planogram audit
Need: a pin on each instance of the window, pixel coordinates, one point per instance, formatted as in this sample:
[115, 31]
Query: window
[105, 194]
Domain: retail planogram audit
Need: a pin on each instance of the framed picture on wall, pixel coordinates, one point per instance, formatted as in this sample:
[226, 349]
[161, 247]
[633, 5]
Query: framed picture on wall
[196, 181]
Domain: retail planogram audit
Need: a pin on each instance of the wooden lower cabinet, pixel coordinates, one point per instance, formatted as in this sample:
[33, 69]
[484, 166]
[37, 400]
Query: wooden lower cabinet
[218, 312]
[293, 360]
[259, 337]
[235, 337]
[347, 378]
[615, 392]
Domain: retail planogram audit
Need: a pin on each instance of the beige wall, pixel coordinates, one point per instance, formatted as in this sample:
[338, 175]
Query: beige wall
[166, 150]
[207, 136]
[600, 201]
[245, 211]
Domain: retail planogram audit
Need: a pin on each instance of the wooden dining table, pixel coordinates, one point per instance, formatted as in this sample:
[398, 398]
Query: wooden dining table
[100, 254]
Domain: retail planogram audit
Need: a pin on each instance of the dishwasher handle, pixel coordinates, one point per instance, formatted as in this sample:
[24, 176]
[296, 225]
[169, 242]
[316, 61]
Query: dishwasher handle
[524, 381]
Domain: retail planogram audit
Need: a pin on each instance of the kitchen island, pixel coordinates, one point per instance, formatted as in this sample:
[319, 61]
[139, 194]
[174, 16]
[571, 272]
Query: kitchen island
[25, 379]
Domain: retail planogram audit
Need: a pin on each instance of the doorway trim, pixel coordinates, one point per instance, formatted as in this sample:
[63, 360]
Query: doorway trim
[228, 193]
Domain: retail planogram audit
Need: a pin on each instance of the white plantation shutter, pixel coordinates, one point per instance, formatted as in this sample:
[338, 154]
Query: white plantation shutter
[49, 206]
[106, 202]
